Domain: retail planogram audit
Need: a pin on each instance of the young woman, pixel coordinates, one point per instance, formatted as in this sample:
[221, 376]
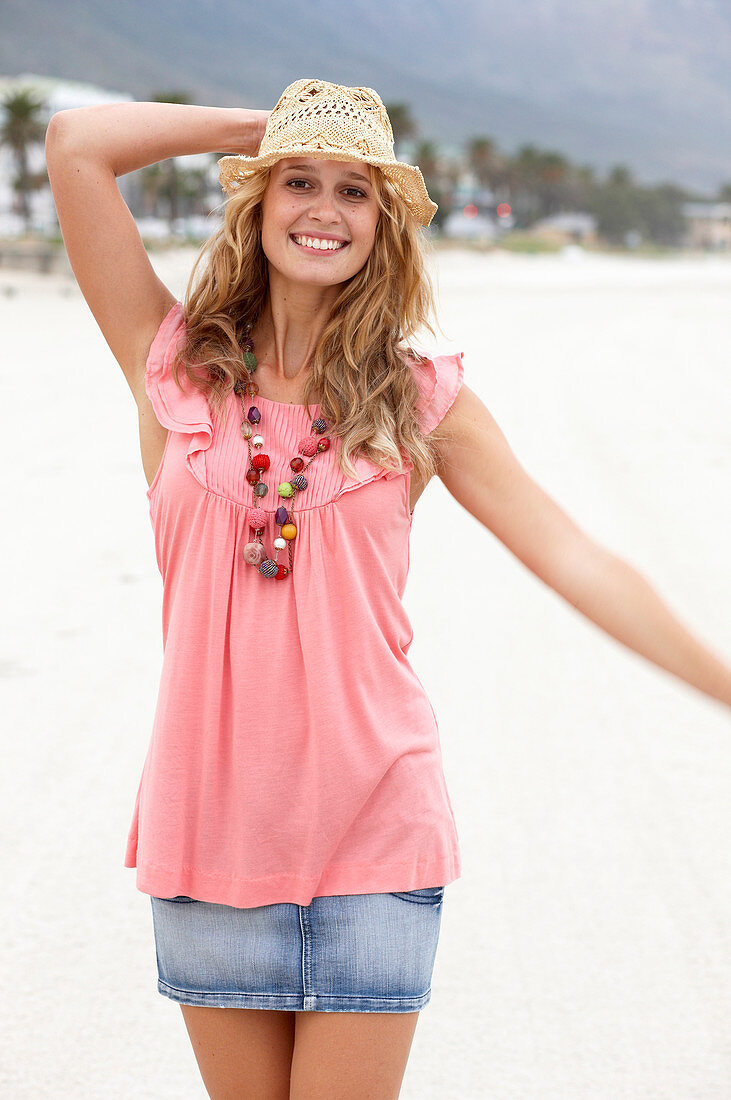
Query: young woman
[292, 825]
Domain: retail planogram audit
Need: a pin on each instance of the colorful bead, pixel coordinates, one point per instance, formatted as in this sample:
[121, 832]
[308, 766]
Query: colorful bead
[253, 553]
[257, 518]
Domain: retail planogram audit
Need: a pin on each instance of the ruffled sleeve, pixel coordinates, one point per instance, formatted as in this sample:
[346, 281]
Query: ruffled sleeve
[187, 410]
[438, 380]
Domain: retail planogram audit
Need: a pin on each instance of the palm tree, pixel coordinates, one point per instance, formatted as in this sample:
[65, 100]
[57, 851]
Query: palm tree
[620, 176]
[552, 175]
[402, 123]
[481, 157]
[22, 126]
[426, 155]
[522, 174]
[153, 185]
[538, 181]
[171, 185]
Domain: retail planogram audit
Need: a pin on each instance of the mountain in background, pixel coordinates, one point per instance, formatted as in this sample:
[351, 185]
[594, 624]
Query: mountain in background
[645, 83]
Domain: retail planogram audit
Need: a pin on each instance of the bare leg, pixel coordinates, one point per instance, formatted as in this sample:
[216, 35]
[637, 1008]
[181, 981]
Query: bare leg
[242, 1052]
[351, 1055]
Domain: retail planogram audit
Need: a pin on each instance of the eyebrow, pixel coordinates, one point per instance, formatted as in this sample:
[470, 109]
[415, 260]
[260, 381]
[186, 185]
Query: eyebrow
[307, 168]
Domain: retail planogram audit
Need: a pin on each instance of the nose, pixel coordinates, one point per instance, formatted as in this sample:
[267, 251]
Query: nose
[324, 208]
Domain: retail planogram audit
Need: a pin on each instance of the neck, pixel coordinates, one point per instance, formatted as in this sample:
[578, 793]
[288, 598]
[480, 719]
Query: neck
[291, 323]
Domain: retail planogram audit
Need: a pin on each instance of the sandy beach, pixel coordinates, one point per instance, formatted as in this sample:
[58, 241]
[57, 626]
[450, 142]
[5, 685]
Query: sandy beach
[585, 953]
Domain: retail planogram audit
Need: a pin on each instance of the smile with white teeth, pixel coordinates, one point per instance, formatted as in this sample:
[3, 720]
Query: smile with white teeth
[319, 243]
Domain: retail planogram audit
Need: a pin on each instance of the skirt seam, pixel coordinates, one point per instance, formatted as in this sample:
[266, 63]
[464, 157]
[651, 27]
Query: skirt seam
[307, 1002]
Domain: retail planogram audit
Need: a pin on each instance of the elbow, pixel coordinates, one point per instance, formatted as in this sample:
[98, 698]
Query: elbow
[55, 132]
[62, 139]
[60, 130]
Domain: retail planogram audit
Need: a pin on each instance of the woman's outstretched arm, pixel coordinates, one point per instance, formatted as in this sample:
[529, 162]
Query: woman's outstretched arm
[87, 148]
[481, 471]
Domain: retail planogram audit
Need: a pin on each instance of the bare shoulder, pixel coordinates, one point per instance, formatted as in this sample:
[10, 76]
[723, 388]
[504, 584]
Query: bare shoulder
[482, 473]
[467, 409]
[469, 426]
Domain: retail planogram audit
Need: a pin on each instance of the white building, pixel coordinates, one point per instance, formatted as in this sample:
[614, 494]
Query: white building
[565, 227]
[708, 225]
[59, 95]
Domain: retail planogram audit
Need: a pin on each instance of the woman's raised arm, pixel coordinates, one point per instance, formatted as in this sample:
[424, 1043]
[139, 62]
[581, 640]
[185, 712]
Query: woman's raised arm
[482, 473]
[87, 148]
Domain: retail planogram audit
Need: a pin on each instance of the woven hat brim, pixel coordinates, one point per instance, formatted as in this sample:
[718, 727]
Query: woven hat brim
[406, 178]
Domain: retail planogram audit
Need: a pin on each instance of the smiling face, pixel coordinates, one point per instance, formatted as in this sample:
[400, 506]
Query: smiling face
[319, 219]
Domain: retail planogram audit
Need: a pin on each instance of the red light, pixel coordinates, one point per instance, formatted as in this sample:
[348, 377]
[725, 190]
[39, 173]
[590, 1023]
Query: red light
[470, 211]
[503, 210]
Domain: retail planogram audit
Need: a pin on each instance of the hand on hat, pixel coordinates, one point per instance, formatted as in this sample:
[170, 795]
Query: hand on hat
[254, 126]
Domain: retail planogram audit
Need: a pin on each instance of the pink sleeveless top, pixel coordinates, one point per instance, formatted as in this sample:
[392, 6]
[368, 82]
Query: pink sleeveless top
[294, 751]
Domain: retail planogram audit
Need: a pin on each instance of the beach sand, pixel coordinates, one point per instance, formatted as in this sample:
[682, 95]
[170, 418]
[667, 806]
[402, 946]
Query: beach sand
[586, 951]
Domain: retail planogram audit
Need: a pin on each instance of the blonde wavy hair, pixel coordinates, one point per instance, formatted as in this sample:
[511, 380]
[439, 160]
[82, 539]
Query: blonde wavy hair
[367, 389]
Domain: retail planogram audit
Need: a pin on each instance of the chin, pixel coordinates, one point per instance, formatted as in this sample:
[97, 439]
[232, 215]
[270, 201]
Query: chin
[318, 278]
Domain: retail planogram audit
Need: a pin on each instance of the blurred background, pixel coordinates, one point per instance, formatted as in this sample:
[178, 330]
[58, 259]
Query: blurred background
[537, 124]
[580, 153]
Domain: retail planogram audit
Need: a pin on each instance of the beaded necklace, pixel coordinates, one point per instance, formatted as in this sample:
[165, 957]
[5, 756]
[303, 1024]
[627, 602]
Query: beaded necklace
[254, 552]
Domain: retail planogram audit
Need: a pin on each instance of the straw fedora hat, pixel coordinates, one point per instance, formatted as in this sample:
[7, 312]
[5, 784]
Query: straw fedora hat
[326, 121]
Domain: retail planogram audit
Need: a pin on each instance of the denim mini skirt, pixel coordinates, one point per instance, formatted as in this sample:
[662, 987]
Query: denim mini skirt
[341, 953]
